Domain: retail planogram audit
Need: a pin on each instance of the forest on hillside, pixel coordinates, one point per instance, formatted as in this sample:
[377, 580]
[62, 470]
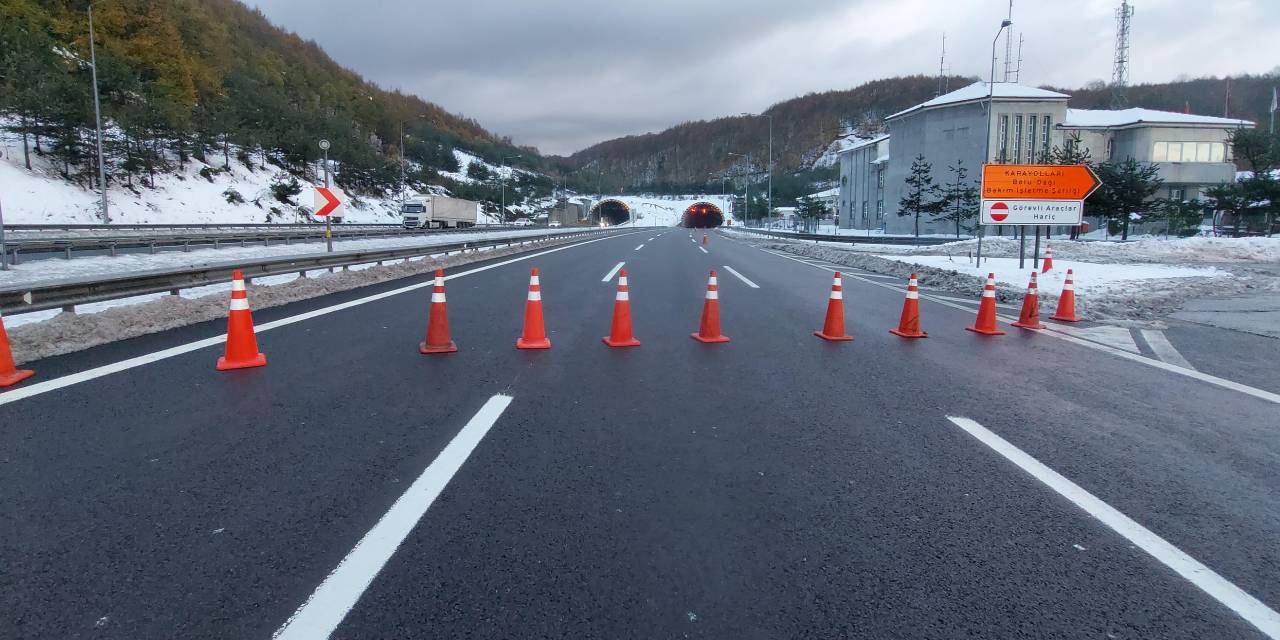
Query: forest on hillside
[211, 79]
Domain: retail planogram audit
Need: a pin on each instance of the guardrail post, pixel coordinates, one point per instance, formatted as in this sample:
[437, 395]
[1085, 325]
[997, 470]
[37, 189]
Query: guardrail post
[215, 244]
[15, 256]
[69, 308]
[175, 292]
[186, 246]
[66, 252]
[113, 251]
[153, 248]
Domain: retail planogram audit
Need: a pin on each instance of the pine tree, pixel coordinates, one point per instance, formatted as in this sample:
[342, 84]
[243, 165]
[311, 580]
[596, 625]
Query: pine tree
[1125, 194]
[921, 195]
[959, 200]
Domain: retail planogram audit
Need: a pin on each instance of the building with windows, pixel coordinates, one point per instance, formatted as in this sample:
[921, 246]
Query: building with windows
[1026, 123]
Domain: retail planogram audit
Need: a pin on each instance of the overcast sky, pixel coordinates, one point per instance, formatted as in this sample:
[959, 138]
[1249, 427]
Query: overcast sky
[561, 74]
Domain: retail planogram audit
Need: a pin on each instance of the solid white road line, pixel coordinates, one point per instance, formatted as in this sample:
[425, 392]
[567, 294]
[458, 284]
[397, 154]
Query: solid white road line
[741, 277]
[641, 246]
[612, 272]
[107, 369]
[1235, 598]
[321, 614]
[703, 250]
[1163, 349]
[1053, 332]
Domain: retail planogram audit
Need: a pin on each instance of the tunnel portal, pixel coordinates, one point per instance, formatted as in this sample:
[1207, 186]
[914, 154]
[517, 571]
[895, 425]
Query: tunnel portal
[702, 215]
[610, 212]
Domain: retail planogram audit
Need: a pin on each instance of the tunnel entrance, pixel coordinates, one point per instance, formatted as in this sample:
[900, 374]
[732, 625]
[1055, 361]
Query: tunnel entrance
[610, 212]
[702, 215]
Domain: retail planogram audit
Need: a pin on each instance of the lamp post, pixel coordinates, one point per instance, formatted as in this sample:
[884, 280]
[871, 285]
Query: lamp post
[769, 163]
[502, 175]
[328, 228]
[746, 188]
[986, 154]
[97, 118]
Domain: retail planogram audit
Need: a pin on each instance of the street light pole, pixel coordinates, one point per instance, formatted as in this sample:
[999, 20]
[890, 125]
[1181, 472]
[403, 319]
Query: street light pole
[328, 226]
[502, 176]
[986, 154]
[97, 118]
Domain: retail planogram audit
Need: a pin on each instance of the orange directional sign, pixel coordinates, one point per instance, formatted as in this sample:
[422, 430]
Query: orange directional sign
[1037, 181]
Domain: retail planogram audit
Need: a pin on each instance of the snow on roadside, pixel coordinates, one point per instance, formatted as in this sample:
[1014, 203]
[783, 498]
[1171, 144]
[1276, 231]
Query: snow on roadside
[1148, 250]
[56, 269]
[1090, 277]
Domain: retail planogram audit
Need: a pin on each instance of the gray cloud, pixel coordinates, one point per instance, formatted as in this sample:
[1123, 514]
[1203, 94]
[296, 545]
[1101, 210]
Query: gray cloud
[562, 74]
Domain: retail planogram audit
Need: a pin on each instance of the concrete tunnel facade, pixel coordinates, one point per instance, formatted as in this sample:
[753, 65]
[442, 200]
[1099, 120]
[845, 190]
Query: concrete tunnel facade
[610, 212]
[702, 215]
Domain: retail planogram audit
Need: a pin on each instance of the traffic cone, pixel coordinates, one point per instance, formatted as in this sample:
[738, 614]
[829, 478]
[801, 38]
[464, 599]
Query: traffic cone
[1067, 302]
[9, 374]
[833, 327]
[438, 321]
[1030, 316]
[535, 333]
[909, 323]
[986, 323]
[620, 334]
[709, 330]
[704, 238]
[1048, 259]
[242, 345]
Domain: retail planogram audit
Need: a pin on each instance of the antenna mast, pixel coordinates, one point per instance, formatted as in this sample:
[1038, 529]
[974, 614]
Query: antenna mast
[942, 66]
[1008, 44]
[1120, 70]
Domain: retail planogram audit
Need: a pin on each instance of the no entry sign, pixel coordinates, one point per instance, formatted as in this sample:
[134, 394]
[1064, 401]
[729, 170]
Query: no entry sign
[1042, 212]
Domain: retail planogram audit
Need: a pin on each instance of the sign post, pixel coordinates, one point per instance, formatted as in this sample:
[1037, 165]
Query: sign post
[1037, 195]
[328, 228]
[4, 256]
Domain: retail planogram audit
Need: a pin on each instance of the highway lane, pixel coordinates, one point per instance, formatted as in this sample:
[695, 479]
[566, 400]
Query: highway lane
[773, 486]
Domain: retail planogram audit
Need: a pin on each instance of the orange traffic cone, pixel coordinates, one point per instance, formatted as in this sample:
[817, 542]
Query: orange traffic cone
[909, 323]
[1067, 302]
[1048, 259]
[438, 321]
[242, 345]
[709, 330]
[535, 333]
[986, 323]
[1030, 316]
[9, 374]
[833, 328]
[620, 334]
[704, 238]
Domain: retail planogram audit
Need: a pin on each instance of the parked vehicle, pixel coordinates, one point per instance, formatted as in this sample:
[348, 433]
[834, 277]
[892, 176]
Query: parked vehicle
[438, 212]
[554, 223]
[523, 222]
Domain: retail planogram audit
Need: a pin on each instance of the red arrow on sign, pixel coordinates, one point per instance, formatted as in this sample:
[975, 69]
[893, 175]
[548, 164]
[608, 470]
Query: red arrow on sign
[331, 201]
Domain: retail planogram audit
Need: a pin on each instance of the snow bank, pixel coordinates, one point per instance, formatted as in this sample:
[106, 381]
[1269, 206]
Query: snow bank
[1090, 277]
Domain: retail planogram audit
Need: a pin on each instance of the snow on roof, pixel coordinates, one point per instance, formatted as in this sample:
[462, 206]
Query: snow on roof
[1008, 91]
[866, 142]
[1103, 119]
[829, 193]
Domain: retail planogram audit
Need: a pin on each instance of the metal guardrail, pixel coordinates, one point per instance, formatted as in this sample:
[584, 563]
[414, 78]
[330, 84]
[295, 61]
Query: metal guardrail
[68, 293]
[216, 236]
[824, 237]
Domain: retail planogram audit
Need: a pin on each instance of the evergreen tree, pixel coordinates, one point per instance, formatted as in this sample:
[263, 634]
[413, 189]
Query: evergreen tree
[1125, 194]
[959, 201]
[921, 195]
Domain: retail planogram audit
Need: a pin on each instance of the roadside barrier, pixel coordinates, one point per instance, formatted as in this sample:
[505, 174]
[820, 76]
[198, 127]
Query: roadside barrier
[909, 323]
[833, 326]
[1030, 316]
[242, 345]
[535, 332]
[438, 321]
[1067, 302]
[9, 373]
[620, 334]
[709, 328]
[986, 322]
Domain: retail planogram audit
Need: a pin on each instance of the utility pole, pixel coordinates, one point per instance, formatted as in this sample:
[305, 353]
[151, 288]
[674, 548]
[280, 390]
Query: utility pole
[4, 255]
[97, 118]
[986, 154]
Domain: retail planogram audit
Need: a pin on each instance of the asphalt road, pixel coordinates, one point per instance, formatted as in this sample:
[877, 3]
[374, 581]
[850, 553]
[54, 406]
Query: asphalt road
[775, 486]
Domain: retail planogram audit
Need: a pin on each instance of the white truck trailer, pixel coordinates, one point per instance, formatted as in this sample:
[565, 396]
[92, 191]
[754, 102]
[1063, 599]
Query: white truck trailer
[438, 212]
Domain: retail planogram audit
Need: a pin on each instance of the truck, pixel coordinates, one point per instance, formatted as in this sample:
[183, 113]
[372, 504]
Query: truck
[438, 212]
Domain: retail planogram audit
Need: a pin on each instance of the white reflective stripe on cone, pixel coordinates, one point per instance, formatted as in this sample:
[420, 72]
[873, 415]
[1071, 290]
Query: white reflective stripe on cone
[1068, 287]
[713, 280]
[535, 295]
[988, 293]
[622, 296]
[713, 295]
[622, 280]
[534, 280]
[913, 295]
[239, 304]
[836, 295]
[237, 285]
[437, 297]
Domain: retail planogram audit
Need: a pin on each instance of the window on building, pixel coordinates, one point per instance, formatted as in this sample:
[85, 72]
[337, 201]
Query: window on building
[864, 209]
[879, 208]
[880, 179]
[1032, 121]
[1188, 152]
[1017, 139]
[1045, 123]
[1111, 148]
[1002, 139]
[1177, 194]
